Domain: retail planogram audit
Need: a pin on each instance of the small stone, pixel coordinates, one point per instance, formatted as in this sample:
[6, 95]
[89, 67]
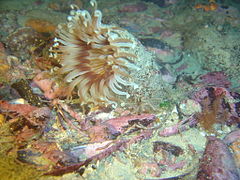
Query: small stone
[219, 28]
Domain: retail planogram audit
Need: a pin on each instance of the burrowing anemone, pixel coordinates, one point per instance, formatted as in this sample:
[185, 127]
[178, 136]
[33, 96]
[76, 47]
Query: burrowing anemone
[95, 57]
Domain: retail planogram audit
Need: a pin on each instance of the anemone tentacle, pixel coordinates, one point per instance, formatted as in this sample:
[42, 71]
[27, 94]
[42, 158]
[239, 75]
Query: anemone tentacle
[93, 56]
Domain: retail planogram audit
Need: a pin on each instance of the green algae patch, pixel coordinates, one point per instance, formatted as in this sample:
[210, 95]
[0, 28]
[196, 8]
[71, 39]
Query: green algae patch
[11, 169]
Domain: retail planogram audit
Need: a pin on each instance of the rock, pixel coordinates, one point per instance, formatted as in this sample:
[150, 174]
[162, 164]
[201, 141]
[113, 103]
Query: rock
[217, 162]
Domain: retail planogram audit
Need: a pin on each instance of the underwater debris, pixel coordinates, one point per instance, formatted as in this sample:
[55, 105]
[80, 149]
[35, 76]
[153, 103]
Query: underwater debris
[58, 171]
[23, 124]
[95, 57]
[61, 116]
[22, 109]
[25, 134]
[112, 128]
[121, 123]
[26, 114]
[99, 149]
[45, 154]
[50, 88]
[103, 149]
[179, 127]
[68, 109]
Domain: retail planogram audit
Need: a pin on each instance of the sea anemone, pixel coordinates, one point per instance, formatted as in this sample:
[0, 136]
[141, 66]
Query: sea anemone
[96, 58]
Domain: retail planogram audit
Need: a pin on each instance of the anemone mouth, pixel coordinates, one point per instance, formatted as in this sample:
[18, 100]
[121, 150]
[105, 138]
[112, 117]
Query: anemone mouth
[95, 58]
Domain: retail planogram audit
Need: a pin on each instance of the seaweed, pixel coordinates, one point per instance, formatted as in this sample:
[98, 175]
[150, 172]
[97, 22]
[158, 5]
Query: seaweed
[212, 110]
